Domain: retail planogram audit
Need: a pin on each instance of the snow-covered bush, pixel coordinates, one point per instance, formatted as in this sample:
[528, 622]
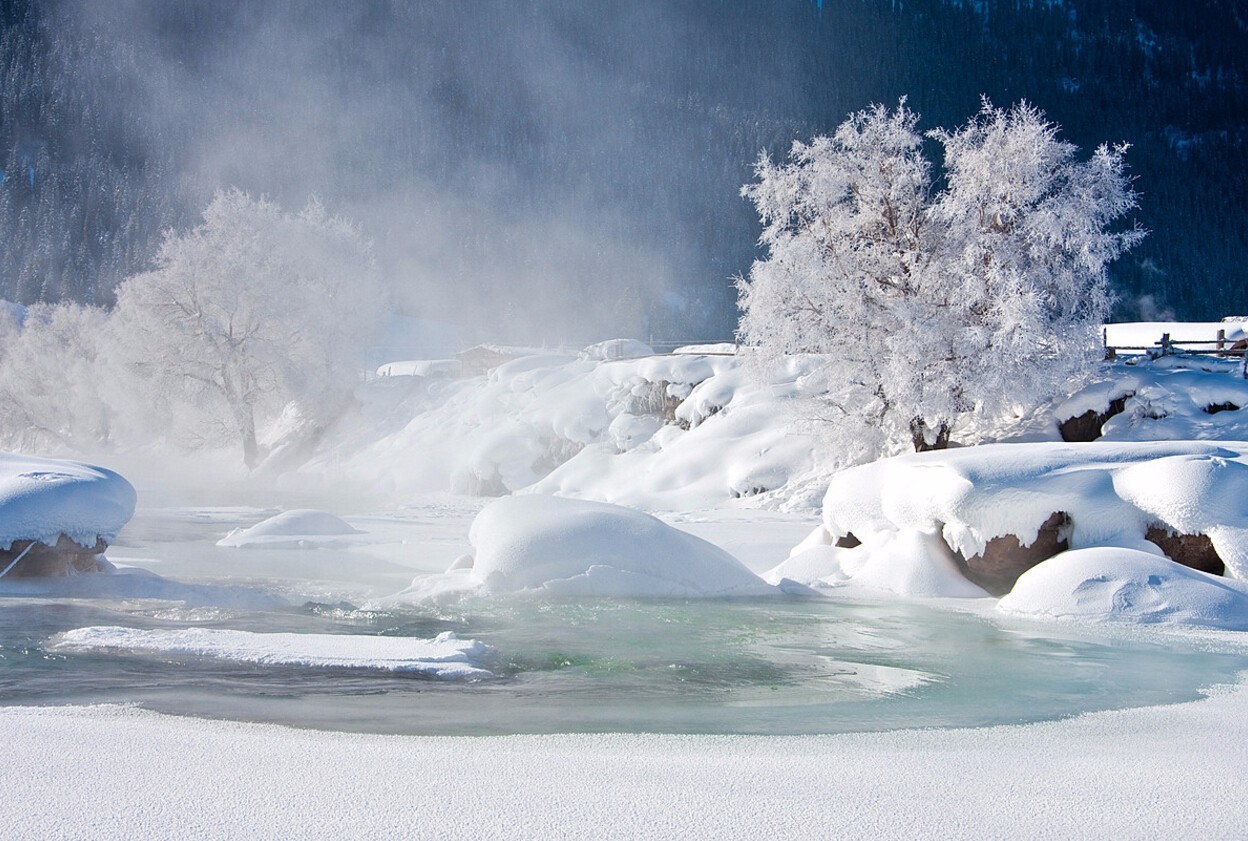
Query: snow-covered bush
[931, 305]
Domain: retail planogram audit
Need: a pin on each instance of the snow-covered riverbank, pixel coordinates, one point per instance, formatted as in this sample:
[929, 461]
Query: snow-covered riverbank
[1158, 772]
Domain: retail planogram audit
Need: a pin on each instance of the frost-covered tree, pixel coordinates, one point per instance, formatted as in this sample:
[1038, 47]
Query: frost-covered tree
[928, 305]
[51, 391]
[247, 312]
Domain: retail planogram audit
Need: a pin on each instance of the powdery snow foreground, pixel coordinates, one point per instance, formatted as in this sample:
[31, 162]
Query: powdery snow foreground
[928, 524]
[572, 547]
[445, 656]
[1134, 774]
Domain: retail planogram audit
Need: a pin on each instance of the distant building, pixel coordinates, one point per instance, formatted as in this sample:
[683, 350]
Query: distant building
[421, 368]
[480, 360]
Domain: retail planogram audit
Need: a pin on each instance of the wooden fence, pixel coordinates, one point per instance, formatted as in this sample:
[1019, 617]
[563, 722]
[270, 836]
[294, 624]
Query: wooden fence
[1168, 346]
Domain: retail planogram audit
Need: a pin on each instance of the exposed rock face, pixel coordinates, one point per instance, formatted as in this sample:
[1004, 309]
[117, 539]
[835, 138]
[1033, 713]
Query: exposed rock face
[1005, 559]
[1190, 550]
[1214, 408]
[849, 541]
[1087, 427]
[44, 561]
[920, 433]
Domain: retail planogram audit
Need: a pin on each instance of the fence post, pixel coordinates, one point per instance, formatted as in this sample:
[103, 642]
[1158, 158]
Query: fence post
[1221, 339]
[1165, 345]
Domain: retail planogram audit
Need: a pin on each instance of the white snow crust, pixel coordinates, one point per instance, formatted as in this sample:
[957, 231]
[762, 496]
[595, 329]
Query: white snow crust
[1136, 775]
[571, 547]
[446, 656]
[301, 528]
[1111, 584]
[41, 499]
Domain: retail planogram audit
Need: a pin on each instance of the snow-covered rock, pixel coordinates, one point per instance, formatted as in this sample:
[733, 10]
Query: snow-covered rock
[950, 508]
[301, 528]
[1112, 584]
[1170, 398]
[578, 548]
[61, 514]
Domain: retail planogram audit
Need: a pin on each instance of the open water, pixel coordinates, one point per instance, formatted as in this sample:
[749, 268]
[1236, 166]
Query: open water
[774, 666]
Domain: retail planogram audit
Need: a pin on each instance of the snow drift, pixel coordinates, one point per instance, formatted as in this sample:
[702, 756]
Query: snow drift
[671, 432]
[571, 547]
[1127, 585]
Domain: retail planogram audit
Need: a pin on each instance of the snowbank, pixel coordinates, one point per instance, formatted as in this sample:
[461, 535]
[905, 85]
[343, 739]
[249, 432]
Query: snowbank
[301, 528]
[657, 432]
[42, 499]
[445, 656]
[1117, 585]
[990, 512]
[578, 548]
[1134, 774]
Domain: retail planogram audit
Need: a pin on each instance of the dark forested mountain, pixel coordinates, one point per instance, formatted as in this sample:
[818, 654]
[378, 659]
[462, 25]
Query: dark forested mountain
[561, 168]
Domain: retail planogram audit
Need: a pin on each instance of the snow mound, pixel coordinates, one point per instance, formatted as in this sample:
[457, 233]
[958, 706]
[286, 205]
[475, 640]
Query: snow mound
[302, 528]
[446, 656]
[942, 509]
[1126, 585]
[41, 499]
[572, 547]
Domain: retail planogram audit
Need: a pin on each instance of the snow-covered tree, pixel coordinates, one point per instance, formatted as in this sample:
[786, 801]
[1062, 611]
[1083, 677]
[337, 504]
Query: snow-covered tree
[51, 394]
[251, 310]
[932, 306]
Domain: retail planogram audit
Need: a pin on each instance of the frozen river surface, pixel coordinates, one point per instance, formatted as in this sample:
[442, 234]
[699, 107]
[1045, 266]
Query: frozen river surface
[772, 666]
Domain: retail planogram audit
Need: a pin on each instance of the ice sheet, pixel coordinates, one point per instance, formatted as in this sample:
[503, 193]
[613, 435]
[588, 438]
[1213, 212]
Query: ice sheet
[445, 656]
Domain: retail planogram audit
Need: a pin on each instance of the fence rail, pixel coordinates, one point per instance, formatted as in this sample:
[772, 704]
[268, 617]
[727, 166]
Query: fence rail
[1167, 346]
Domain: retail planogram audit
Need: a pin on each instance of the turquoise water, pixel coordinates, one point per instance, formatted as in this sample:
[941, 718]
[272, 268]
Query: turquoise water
[775, 666]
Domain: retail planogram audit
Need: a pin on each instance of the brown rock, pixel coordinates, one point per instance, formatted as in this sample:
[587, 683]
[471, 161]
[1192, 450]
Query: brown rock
[43, 561]
[849, 541]
[1190, 550]
[1005, 558]
[1087, 427]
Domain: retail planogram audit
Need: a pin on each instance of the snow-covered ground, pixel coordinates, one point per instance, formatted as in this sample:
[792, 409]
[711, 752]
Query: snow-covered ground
[551, 584]
[1160, 772]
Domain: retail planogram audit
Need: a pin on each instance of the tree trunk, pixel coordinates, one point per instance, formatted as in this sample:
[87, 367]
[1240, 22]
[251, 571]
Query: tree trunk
[919, 435]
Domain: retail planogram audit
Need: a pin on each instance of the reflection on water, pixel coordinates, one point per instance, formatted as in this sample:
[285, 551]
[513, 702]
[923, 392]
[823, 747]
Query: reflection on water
[770, 666]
